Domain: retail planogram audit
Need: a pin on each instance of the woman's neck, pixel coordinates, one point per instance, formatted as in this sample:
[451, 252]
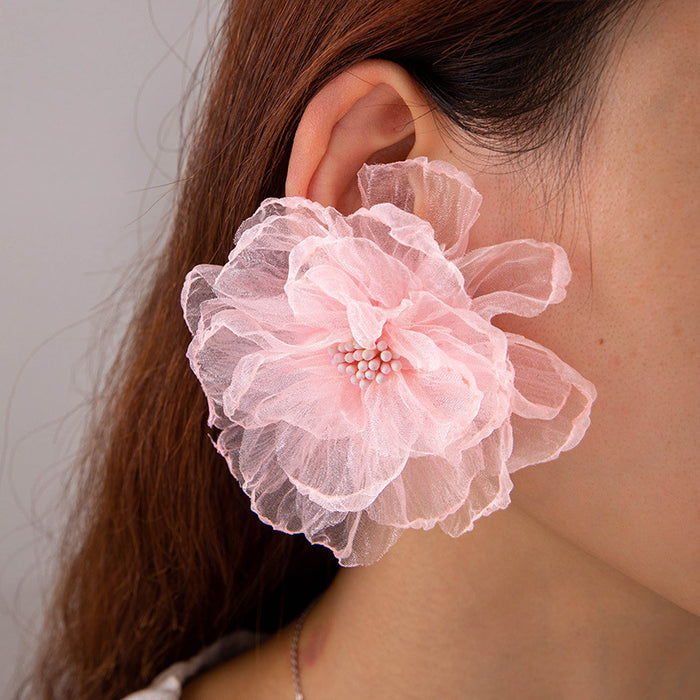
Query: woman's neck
[508, 608]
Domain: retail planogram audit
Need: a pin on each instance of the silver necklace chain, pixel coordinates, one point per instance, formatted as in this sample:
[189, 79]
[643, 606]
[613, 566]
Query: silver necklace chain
[298, 693]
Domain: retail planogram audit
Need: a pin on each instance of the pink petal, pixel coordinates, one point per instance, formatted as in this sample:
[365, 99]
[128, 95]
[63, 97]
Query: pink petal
[470, 349]
[542, 383]
[433, 190]
[304, 390]
[407, 238]
[552, 412]
[366, 323]
[490, 485]
[273, 339]
[398, 233]
[353, 537]
[432, 317]
[492, 377]
[339, 474]
[415, 347]
[351, 269]
[290, 219]
[196, 291]
[370, 541]
[228, 347]
[253, 280]
[518, 277]
[213, 360]
[447, 397]
[412, 411]
[312, 305]
[427, 490]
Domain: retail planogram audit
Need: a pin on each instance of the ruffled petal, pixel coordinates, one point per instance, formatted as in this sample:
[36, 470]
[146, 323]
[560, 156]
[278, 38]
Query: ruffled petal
[398, 233]
[494, 381]
[430, 436]
[366, 322]
[434, 191]
[253, 280]
[292, 218]
[346, 270]
[339, 474]
[551, 409]
[433, 317]
[427, 490]
[424, 413]
[412, 241]
[354, 538]
[227, 349]
[457, 344]
[490, 484]
[542, 384]
[197, 290]
[283, 340]
[359, 541]
[517, 277]
[213, 358]
[304, 390]
[417, 348]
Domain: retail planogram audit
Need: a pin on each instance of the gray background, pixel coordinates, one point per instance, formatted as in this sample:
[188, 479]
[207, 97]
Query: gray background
[89, 106]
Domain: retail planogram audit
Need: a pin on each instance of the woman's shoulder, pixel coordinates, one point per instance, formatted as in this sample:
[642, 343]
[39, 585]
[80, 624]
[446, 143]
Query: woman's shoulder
[174, 683]
[260, 673]
[240, 665]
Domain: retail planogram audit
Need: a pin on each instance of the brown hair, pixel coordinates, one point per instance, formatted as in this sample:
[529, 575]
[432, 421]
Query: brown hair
[162, 555]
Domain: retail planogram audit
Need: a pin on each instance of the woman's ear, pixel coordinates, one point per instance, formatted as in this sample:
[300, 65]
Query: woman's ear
[373, 112]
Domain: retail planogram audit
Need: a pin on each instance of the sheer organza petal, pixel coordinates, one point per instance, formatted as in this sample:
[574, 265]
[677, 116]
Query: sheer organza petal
[516, 277]
[344, 474]
[432, 316]
[411, 413]
[284, 342]
[254, 281]
[445, 398]
[398, 233]
[434, 191]
[214, 358]
[412, 241]
[224, 351]
[490, 484]
[294, 217]
[196, 291]
[348, 270]
[306, 391]
[276, 340]
[353, 537]
[366, 322]
[540, 433]
[309, 300]
[474, 350]
[428, 489]
[416, 348]
[492, 377]
[370, 540]
[542, 381]
[258, 268]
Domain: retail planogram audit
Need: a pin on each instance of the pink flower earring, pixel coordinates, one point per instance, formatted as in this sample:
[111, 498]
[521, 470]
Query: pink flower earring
[352, 368]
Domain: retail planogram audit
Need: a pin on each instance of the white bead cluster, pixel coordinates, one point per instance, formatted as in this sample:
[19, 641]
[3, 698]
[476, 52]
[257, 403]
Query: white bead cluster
[365, 365]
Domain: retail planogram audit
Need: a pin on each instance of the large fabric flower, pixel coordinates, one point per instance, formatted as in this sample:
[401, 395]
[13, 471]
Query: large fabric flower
[352, 369]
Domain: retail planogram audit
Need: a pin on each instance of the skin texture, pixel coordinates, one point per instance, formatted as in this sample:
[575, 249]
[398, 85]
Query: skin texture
[635, 334]
[588, 585]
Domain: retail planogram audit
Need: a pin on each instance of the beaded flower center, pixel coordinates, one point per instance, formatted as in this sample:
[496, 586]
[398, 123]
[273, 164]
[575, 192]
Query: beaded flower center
[365, 365]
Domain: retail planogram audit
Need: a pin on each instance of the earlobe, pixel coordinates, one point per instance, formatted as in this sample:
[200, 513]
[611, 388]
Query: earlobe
[372, 113]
